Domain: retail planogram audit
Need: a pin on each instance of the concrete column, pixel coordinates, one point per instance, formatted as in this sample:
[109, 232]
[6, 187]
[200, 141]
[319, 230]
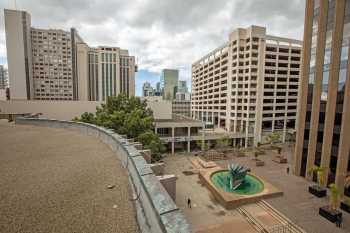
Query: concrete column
[284, 129]
[320, 51]
[303, 88]
[189, 140]
[203, 141]
[344, 146]
[332, 86]
[172, 140]
[155, 130]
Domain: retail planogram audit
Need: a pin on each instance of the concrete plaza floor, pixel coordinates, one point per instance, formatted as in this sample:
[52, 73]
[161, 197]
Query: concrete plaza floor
[55, 180]
[206, 215]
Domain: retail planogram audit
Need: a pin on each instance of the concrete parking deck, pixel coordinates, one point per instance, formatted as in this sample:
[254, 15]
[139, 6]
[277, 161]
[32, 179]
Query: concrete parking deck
[55, 180]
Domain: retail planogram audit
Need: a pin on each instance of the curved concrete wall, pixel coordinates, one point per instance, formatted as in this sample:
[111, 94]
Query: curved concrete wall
[156, 211]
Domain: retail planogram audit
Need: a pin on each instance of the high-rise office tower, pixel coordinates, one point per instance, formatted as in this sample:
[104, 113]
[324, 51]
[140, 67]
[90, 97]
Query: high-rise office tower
[323, 135]
[182, 86]
[109, 71]
[53, 64]
[169, 80]
[40, 61]
[158, 90]
[3, 77]
[249, 85]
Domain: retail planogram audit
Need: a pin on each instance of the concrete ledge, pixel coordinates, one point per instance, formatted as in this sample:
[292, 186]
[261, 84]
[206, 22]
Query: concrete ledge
[156, 211]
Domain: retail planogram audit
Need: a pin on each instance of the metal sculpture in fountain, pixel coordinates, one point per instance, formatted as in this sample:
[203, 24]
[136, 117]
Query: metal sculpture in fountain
[237, 175]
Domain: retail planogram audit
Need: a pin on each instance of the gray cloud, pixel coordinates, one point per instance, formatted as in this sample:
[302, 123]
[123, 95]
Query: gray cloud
[162, 33]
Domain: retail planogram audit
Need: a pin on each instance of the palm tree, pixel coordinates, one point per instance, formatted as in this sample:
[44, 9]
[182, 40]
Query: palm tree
[320, 171]
[334, 198]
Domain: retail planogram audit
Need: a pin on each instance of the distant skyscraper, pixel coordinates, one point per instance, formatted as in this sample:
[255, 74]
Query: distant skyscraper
[169, 81]
[147, 89]
[52, 64]
[3, 77]
[182, 86]
[158, 87]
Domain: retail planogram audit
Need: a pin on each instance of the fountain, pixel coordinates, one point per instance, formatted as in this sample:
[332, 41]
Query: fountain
[237, 180]
[236, 185]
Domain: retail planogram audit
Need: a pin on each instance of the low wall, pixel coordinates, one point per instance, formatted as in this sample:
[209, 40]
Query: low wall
[51, 109]
[156, 211]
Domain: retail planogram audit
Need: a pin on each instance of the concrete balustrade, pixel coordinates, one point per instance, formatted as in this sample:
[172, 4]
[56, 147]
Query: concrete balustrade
[156, 210]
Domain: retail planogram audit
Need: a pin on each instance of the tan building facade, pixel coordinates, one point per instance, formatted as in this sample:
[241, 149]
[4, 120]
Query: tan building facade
[323, 136]
[249, 85]
[53, 64]
[109, 71]
[53, 55]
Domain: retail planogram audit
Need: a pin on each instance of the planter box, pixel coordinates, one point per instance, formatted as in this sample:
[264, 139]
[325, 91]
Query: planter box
[329, 214]
[279, 159]
[317, 191]
[344, 206]
[259, 163]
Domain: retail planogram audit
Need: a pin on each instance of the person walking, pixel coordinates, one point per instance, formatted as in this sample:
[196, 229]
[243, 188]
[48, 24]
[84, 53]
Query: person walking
[287, 170]
[189, 203]
[339, 221]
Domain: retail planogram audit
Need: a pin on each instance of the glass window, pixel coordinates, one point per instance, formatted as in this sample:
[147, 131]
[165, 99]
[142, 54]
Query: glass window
[324, 87]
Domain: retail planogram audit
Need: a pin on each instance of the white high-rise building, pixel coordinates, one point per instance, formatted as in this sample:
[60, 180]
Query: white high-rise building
[249, 85]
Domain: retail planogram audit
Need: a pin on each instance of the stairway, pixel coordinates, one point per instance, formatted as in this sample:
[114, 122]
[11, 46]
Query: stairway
[284, 224]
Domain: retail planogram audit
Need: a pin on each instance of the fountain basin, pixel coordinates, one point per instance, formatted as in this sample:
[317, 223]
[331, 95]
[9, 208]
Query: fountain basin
[253, 190]
[251, 184]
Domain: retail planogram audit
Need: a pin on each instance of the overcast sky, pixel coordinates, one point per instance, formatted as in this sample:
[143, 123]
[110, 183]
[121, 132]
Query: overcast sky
[160, 33]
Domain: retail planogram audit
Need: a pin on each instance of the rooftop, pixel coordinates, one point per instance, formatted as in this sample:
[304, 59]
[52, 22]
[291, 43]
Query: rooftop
[56, 180]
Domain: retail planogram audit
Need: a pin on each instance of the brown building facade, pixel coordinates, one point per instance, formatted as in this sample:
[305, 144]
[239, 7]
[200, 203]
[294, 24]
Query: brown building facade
[323, 136]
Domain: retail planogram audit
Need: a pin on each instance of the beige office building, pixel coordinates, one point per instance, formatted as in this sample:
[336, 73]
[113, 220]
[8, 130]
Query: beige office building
[249, 85]
[109, 71]
[323, 136]
[53, 64]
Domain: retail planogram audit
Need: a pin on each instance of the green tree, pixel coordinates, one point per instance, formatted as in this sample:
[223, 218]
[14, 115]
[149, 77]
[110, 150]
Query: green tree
[334, 196]
[153, 143]
[86, 117]
[130, 116]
